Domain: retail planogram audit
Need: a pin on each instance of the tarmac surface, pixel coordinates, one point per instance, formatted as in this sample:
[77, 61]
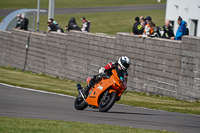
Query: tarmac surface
[28, 103]
[5, 12]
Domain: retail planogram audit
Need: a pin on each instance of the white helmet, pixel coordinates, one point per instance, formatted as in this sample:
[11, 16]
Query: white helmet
[124, 62]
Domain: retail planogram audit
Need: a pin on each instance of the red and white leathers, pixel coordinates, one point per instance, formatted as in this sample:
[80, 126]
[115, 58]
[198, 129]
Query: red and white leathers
[85, 27]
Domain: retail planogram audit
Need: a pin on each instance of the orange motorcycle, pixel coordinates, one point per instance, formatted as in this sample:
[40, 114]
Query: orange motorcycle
[103, 94]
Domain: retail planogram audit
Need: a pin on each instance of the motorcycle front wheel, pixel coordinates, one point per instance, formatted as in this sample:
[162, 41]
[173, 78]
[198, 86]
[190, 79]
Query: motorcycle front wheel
[79, 103]
[108, 102]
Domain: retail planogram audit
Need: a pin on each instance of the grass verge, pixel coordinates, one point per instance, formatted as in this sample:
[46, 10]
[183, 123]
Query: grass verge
[25, 125]
[74, 3]
[107, 22]
[51, 84]
[1, 18]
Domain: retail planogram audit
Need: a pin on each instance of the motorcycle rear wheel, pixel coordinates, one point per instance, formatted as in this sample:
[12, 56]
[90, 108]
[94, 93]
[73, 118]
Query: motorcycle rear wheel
[105, 105]
[79, 103]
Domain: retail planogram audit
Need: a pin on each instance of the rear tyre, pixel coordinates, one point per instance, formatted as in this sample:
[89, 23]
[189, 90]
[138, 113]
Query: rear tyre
[105, 105]
[79, 103]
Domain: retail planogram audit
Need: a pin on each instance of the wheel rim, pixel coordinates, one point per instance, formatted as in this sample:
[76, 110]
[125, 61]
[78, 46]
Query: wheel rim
[106, 101]
[79, 100]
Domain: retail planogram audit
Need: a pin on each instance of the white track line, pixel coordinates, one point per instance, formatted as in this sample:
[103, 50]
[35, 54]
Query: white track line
[38, 90]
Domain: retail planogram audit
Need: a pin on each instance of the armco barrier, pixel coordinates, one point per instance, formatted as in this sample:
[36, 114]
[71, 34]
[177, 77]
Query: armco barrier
[158, 66]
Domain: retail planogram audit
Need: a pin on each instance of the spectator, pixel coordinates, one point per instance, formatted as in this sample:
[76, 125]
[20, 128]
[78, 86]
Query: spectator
[137, 28]
[156, 30]
[51, 27]
[66, 28]
[167, 31]
[72, 25]
[19, 21]
[148, 19]
[142, 19]
[148, 30]
[51, 20]
[143, 27]
[24, 23]
[59, 29]
[86, 25]
[187, 30]
[181, 29]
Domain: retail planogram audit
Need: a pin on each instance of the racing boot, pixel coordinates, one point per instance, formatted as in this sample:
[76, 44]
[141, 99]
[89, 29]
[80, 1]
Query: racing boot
[90, 85]
[86, 90]
[93, 80]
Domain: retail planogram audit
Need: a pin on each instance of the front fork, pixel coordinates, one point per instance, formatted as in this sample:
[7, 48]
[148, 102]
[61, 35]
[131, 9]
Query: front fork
[79, 88]
[105, 95]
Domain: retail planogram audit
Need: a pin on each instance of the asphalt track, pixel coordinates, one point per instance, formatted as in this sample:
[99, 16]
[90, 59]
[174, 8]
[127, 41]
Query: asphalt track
[5, 12]
[20, 102]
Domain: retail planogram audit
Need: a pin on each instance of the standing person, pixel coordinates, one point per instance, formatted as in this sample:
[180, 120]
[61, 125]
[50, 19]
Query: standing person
[187, 30]
[123, 64]
[142, 19]
[148, 30]
[24, 24]
[72, 25]
[154, 28]
[86, 25]
[167, 31]
[137, 28]
[143, 25]
[181, 31]
[19, 21]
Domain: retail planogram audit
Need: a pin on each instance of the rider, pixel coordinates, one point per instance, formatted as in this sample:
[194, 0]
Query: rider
[123, 63]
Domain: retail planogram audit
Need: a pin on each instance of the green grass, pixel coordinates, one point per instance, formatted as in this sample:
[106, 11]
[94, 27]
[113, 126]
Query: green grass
[160, 103]
[47, 83]
[108, 22]
[25, 125]
[1, 18]
[37, 81]
[74, 3]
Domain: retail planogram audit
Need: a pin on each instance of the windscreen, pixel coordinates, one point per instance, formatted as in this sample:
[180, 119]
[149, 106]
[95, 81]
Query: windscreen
[121, 75]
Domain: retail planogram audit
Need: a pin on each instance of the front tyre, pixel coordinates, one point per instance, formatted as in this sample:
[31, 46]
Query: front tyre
[79, 103]
[105, 105]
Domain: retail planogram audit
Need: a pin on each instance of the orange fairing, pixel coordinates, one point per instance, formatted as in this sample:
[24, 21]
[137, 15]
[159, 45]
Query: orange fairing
[114, 84]
[96, 91]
